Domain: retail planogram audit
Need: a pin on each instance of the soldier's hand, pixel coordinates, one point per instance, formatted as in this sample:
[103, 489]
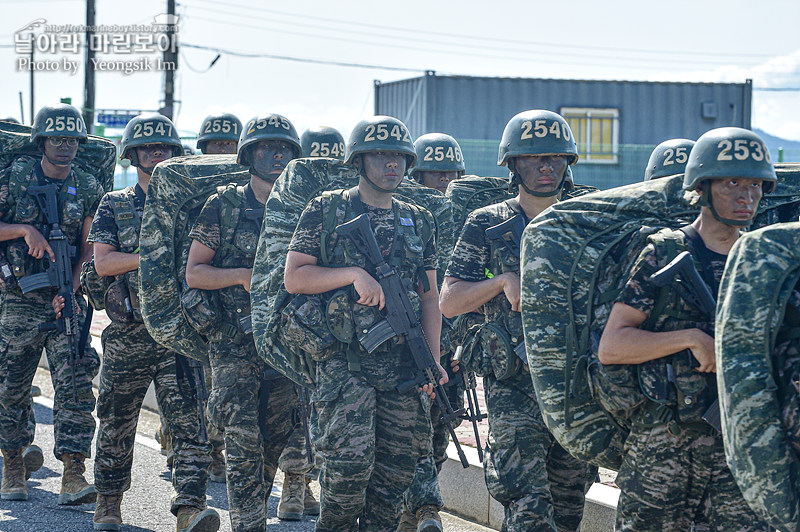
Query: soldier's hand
[455, 365]
[247, 276]
[37, 244]
[443, 378]
[369, 290]
[703, 350]
[58, 306]
[511, 288]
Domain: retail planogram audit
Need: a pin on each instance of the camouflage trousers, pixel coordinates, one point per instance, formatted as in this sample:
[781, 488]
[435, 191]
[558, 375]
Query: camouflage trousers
[424, 489]
[294, 459]
[21, 346]
[540, 485]
[234, 407]
[131, 361]
[369, 440]
[215, 435]
[676, 482]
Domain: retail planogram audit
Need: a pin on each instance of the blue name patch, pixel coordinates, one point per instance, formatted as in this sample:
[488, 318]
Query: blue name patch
[72, 190]
[406, 221]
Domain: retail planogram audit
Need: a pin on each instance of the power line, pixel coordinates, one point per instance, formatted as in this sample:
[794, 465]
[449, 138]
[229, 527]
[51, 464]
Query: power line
[560, 45]
[395, 46]
[298, 59]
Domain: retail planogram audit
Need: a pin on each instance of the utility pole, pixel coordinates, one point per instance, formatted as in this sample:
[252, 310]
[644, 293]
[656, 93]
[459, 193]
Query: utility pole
[170, 64]
[88, 69]
[33, 105]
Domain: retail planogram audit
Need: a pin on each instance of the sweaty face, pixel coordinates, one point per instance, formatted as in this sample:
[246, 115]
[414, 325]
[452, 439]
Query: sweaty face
[270, 157]
[220, 146]
[152, 154]
[385, 168]
[59, 155]
[736, 198]
[541, 173]
[438, 180]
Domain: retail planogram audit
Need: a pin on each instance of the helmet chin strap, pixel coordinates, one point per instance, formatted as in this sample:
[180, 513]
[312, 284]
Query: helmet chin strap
[516, 177]
[363, 174]
[263, 177]
[706, 200]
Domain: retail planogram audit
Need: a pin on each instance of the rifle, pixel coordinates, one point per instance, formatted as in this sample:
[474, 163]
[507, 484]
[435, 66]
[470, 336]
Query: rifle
[191, 371]
[403, 322]
[473, 413]
[694, 290]
[305, 414]
[509, 233]
[59, 275]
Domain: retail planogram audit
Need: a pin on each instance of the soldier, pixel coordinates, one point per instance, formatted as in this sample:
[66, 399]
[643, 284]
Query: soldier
[297, 498]
[58, 130]
[322, 141]
[539, 484]
[668, 158]
[369, 433]
[131, 358]
[439, 161]
[250, 402]
[673, 475]
[219, 133]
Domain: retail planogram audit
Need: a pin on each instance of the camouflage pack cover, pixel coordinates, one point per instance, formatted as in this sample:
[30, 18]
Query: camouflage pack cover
[301, 181]
[783, 204]
[573, 255]
[762, 270]
[96, 156]
[563, 251]
[178, 189]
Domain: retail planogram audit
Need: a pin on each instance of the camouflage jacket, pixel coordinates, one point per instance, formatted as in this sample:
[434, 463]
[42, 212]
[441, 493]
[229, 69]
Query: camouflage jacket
[78, 196]
[672, 380]
[118, 222]
[230, 224]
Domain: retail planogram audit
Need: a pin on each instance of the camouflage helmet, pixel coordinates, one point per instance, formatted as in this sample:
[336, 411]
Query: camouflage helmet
[149, 128]
[537, 132]
[668, 158]
[381, 133]
[322, 141]
[60, 120]
[437, 152]
[729, 152]
[267, 127]
[220, 126]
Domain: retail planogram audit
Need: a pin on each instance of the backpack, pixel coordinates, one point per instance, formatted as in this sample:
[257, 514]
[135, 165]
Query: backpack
[97, 156]
[577, 257]
[178, 189]
[753, 315]
[301, 181]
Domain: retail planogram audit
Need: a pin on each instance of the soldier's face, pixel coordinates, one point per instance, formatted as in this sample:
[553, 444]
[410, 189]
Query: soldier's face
[438, 180]
[270, 157]
[385, 168]
[220, 146]
[736, 198]
[541, 173]
[152, 154]
[61, 155]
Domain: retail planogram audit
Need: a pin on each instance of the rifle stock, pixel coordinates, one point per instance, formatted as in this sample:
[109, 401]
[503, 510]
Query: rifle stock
[403, 321]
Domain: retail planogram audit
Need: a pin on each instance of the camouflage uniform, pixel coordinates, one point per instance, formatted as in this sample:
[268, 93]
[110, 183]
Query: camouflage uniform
[538, 483]
[21, 343]
[240, 386]
[368, 434]
[131, 361]
[673, 474]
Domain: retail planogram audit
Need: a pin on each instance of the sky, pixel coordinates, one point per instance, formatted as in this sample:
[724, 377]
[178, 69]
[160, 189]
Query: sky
[699, 41]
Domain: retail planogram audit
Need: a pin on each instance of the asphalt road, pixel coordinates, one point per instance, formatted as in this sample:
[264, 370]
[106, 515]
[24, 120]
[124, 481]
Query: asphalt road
[145, 507]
